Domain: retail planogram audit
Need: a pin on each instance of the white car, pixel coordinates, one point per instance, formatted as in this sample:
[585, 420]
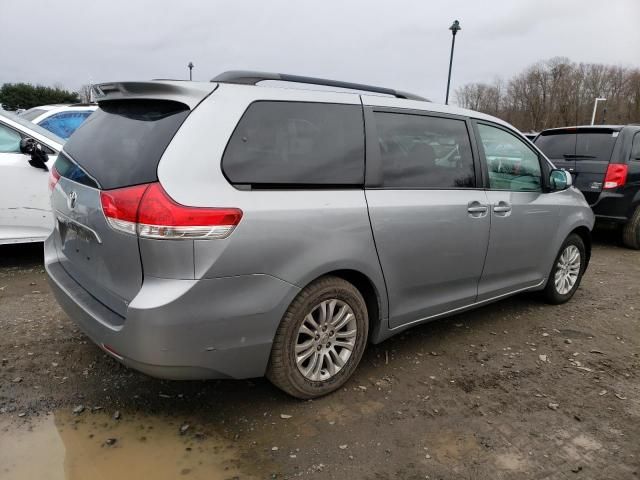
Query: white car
[25, 212]
[60, 119]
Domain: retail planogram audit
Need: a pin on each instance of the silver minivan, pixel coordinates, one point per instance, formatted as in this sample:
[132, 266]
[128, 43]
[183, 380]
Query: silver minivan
[232, 230]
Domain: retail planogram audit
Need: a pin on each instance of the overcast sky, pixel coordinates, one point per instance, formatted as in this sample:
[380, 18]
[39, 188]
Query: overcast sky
[398, 44]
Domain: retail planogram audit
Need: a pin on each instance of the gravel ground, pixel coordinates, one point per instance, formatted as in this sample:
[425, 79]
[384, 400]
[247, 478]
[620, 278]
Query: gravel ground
[517, 389]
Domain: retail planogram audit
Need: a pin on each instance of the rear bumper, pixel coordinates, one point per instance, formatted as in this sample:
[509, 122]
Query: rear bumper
[182, 329]
[613, 206]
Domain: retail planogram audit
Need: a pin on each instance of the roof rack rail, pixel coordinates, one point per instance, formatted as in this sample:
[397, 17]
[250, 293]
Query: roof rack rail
[247, 77]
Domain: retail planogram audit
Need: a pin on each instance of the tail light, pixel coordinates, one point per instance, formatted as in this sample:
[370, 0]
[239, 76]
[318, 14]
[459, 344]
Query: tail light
[616, 176]
[54, 176]
[148, 211]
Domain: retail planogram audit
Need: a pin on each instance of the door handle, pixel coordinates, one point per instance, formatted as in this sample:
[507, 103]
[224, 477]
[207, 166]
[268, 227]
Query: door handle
[477, 209]
[501, 207]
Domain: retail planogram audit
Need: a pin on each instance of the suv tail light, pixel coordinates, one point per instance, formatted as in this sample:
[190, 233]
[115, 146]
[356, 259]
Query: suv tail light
[148, 211]
[54, 176]
[616, 176]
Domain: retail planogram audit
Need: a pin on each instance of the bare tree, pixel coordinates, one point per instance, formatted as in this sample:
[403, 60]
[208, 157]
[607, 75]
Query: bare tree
[558, 92]
[86, 94]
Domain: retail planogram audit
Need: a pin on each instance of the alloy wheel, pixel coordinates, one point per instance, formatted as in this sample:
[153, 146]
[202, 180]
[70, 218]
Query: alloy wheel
[326, 338]
[567, 270]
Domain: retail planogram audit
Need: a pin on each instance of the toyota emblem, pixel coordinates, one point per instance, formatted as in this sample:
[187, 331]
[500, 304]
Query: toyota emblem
[71, 201]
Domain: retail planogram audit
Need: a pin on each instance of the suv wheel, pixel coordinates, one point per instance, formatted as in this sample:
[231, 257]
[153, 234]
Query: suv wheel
[631, 231]
[320, 340]
[567, 271]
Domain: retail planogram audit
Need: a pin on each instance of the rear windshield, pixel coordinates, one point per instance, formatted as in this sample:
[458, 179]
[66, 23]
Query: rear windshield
[594, 144]
[121, 143]
[597, 145]
[556, 145]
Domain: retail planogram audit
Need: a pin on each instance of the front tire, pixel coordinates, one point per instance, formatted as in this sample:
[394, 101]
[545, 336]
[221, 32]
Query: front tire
[320, 340]
[631, 231]
[567, 271]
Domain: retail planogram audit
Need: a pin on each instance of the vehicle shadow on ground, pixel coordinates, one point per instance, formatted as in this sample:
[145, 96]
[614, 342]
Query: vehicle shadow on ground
[611, 237]
[25, 255]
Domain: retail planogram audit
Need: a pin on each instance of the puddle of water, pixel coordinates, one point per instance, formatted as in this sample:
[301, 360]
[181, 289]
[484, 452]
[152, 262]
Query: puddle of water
[61, 447]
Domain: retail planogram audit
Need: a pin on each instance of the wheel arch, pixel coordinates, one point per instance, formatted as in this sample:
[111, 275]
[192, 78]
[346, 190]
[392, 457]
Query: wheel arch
[585, 234]
[368, 290]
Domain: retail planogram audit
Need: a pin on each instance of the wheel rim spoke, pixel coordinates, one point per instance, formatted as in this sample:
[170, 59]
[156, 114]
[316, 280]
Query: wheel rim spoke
[311, 321]
[347, 334]
[304, 330]
[303, 347]
[346, 319]
[346, 345]
[336, 358]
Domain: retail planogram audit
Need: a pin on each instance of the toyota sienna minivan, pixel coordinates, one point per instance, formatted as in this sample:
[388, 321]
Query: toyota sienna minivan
[233, 230]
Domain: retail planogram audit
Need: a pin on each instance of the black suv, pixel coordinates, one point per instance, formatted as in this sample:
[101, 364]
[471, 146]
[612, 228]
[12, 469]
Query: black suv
[605, 163]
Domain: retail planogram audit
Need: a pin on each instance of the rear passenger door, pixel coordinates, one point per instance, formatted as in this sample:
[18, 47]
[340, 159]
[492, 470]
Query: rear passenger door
[523, 217]
[429, 218]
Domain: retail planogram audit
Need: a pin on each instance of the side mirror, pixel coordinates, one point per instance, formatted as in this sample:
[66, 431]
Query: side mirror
[28, 145]
[560, 180]
[39, 156]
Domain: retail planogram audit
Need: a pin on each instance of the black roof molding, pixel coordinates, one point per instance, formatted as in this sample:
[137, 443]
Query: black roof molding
[247, 77]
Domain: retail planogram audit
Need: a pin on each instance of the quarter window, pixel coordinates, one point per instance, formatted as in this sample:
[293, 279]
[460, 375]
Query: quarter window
[420, 151]
[511, 163]
[297, 143]
[9, 140]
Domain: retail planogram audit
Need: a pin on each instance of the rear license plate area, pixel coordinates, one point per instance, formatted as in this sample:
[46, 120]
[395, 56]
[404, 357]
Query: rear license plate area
[72, 232]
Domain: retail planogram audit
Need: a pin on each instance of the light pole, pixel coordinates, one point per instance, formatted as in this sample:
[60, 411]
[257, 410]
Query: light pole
[455, 28]
[595, 107]
[190, 69]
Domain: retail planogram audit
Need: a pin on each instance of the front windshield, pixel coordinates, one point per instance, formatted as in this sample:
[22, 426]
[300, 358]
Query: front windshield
[32, 126]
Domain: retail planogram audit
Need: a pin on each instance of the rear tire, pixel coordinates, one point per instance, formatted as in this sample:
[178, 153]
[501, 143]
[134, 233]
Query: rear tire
[320, 340]
[631, 231]
[567, 271]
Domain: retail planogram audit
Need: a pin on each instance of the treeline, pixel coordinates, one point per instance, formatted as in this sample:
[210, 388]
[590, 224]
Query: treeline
[24, 95]
[557, 93]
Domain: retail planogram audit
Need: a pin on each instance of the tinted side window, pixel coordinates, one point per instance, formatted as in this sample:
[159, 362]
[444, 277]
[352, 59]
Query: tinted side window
[9, 140]
[635, 148]
[511, 163]
[424, 152]
[289, 143]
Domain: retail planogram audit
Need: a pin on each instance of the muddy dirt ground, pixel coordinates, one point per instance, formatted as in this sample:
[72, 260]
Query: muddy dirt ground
[517, 389]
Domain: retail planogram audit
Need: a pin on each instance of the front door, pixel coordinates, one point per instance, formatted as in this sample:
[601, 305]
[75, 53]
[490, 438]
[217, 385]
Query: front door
[523, 217]
[25, 213]
[429, 221]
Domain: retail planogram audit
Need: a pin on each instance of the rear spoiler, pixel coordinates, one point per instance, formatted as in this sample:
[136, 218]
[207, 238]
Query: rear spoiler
[188, 93]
